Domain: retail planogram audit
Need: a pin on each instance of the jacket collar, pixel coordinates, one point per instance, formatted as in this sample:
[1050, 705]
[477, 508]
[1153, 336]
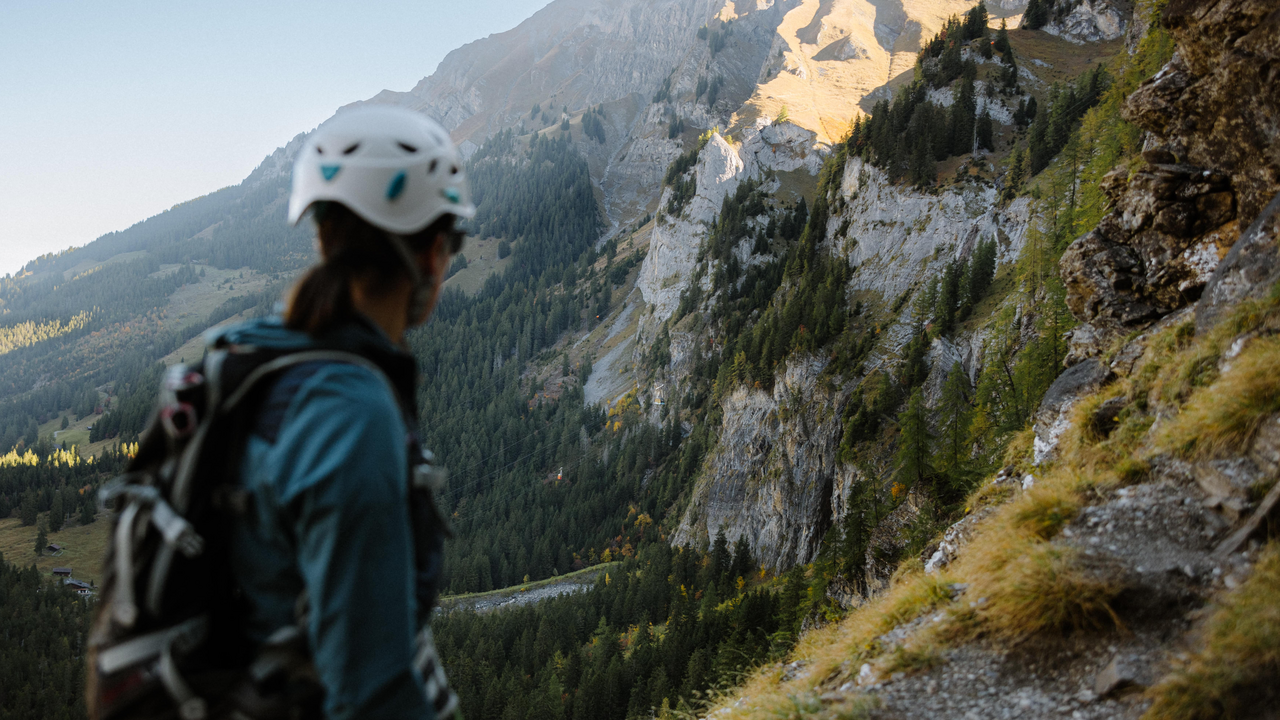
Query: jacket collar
[362, 337]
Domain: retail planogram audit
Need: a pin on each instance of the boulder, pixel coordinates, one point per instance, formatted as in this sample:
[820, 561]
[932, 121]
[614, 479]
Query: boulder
[1053, 415]
[1248, 271]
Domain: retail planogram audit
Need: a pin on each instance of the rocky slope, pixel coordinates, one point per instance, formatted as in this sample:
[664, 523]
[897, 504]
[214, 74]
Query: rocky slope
[572, 53]
[827, 58]
[1156, 459]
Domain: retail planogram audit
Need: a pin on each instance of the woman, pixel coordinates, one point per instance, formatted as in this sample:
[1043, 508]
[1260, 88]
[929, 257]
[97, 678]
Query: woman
[331, 548]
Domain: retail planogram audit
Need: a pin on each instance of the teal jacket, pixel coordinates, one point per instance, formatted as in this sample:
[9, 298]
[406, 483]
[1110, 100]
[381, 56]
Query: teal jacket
[326, 468]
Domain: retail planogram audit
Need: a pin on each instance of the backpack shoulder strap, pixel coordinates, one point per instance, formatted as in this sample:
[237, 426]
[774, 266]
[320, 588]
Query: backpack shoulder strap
[297, 358]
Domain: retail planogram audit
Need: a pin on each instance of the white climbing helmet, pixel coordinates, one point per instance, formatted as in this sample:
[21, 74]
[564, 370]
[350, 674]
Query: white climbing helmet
[395, 168]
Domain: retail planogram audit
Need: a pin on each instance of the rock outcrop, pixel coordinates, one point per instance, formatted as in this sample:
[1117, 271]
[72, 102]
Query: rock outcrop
[895, 233]
[1212, 165]
[1082, 21]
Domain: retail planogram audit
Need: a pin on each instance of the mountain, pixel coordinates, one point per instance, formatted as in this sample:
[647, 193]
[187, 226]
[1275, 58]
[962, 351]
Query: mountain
[883, 359]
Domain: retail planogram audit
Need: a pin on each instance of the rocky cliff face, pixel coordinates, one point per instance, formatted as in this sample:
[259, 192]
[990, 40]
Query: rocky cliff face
[774, 479]
[668, 268]
[896, 235]
[771, 480]
[1211, 168]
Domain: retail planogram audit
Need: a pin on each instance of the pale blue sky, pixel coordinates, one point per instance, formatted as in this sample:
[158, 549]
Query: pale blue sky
[111, 112]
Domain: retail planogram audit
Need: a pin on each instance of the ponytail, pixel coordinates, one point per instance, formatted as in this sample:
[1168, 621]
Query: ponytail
[320, 300]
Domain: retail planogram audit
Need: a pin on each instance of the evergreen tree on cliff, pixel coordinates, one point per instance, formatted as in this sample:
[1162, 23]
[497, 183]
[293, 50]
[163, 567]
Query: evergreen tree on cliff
[1036, 15]
[914, 461]
[956, 414]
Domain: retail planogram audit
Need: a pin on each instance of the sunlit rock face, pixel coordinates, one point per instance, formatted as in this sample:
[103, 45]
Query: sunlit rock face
[673, 249]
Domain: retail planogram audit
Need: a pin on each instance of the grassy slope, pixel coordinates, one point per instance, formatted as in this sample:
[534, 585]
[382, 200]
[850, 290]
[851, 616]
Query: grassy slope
[84, 547]
[482, 261]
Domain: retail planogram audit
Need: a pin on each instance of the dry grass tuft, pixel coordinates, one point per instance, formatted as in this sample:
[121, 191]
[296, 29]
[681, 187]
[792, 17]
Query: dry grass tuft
[1045, 590]
[1020, 450]
[989, 495]
[1132, 470]
[1023, 585]
[919, 594]
[1224, 416]
[1042, 511]
[1239, 668]
[912, 659]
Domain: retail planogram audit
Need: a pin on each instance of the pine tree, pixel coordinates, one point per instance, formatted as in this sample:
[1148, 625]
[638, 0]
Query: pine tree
[1039, 149]
[1002, 43]
[982, 270]
[975, 21]
[1036, 15]
[962, 111]
[42, 539]
[956, 414]
[860, 518]
[985, 132]
[56, 513]
[1010, 79]
[29, 510]
[742, 561]
[87, 514]
[1017, 174]
[948, 298]
[915, 367]
[914, 443]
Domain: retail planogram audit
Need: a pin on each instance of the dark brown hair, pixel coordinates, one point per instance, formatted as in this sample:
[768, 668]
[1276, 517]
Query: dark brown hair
[349, 248]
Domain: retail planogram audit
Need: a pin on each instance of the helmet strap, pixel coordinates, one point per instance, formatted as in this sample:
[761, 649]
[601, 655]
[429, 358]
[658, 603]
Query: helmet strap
[420, 294]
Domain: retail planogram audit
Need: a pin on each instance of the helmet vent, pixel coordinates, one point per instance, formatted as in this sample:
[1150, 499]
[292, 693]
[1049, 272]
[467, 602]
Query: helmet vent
[407, 147]
[352, 148]
[396, 187]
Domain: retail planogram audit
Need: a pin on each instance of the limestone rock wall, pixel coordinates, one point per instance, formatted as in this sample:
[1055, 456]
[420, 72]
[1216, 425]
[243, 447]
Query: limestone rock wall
[673, 249]
[774, 478]
[894, 234]
[770, 480]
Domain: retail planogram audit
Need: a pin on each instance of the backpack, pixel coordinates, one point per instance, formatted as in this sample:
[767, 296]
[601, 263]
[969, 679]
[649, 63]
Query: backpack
[167, 640]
